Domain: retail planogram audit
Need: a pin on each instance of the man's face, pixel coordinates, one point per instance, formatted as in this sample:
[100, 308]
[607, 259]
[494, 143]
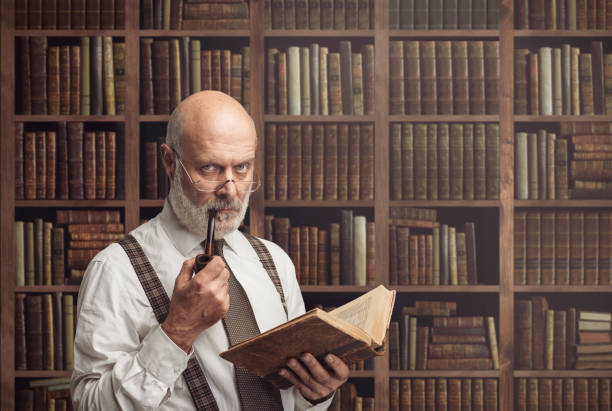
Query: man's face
[217, 151]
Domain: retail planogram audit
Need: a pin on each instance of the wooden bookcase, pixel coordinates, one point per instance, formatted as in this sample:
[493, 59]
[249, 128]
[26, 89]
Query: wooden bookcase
[132, 206]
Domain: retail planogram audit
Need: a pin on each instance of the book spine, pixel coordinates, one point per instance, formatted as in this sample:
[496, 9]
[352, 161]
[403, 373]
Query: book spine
[456, 161]
[343, 161]
[460, 77]
[428, 76]
[547, 236]
[270, 164]
[577, 247]
[294, 182]
[282, 161]
[41, 164]
[432, 161]
[444, 77]
[480, 162]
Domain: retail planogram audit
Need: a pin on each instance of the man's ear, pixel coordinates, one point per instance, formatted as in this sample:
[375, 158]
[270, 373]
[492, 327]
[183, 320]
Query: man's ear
[168, 160]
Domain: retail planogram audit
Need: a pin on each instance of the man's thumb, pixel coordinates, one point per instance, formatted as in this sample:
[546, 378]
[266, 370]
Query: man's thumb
[186, 271]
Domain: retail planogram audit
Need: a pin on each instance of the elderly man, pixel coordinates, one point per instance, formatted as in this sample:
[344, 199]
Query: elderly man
[150, 331]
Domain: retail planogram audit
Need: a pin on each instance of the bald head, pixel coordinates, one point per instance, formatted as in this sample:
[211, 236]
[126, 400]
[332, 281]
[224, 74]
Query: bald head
[207, 113]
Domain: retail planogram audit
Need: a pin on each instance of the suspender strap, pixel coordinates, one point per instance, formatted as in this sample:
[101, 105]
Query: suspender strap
[193, 375]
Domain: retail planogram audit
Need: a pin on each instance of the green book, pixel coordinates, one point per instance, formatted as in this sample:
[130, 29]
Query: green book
[432, 161]
[435, 14]
[444, 266]
[68, 332]
[436, 255]
[443, 162]
[394, 14]
[520, 166]
[421, 14]
[166, 15]
[19, 254]
[493, 14]
[406, 14]
[413, 343]
[480, 191]
[479, 14]
[396, 161]
[97, 79]
[542, 180]
[456, 161]
[407, 161]
[346, 77]
[450, 16]
[561, 170]
[464, 14]
[468, 161]
[314, 79]
[47, 254]
[294, 81]
[532, 166]
[420, 161]
[492, 157]
[85, 79]
[571, 14]
[452, 256]
[196, 66]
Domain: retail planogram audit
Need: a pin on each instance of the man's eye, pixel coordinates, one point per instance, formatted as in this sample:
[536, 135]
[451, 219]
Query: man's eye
[208, 168]
[242, 167]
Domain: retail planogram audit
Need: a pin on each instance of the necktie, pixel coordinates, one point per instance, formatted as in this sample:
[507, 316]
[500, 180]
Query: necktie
[239, 323]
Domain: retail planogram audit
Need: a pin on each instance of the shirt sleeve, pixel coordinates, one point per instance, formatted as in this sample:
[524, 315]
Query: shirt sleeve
[302, 404]
[118, 364]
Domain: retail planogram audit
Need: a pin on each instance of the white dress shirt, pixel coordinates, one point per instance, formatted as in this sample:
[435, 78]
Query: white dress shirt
[123, 360]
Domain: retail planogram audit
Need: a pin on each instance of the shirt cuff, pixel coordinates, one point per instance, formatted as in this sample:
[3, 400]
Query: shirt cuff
[160, 356]
[302, 403]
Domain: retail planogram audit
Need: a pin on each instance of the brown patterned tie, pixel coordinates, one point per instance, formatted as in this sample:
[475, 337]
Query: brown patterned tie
[239, 323]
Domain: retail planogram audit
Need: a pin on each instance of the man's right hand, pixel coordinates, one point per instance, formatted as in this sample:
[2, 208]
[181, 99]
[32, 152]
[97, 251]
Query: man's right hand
[197, 303]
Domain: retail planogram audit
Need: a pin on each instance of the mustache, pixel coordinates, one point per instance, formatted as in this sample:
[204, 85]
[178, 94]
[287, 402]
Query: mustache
[223, 204]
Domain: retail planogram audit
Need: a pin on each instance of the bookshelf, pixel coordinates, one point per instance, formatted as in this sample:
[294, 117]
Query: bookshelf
[132, 207]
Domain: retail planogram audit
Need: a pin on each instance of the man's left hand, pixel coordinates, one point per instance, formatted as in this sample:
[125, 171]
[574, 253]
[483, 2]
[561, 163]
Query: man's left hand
[316, 382]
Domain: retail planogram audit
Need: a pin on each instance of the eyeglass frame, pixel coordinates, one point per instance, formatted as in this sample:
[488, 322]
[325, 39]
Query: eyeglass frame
[221, 182]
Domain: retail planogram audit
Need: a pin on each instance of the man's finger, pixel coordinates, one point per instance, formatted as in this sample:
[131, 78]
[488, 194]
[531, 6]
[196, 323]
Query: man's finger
[320, 374]
[340, 369]
[291, 377]
[212, 270]
[305, 377]
[186, 271]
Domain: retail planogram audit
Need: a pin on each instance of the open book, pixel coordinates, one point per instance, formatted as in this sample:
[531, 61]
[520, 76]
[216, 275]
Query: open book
[355, 331]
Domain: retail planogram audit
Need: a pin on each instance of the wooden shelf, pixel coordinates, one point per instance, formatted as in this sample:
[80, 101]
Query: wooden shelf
[445, 374]
[445, 118]
[194, 33]
[563, 288]
[432, 289]
[318, 33]
[318, 203]
[69, 33]
[562, 203]
[47, 118]
[344, 118]
[152, 203]
[451, 34]
[445, 203]
[362, 374]
[562, 33]
[43, 374]
[154, 118]
[47, 289]
[562, 373]
[527, 118]
[335, 288]
[69, 203]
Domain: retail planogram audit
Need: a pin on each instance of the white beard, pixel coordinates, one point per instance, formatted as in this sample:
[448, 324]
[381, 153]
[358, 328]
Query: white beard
[195, 219]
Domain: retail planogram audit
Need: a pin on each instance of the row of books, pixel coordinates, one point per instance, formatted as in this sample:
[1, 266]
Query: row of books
[85, 78]
[560, 247]
[155, 180]
[562, 393]
[319, 14]
[48, 394]
[44, 331]
[173, 69]
[563, 15]
[560, 338]
[45, 251]
[346, 398]
[443, 14]
[464, 394]
[429, 336]
[188, 15]
[331, 161]
[438, 161]
[69, 14]
[444, 77]
[563, 80]
[314, 80]
[342, 254]
[439, 256]
[69, 163]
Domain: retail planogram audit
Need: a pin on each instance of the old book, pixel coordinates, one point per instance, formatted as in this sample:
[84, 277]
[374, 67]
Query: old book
[561, 169]
[545, 80]
[366, 185]
[64, 79]
[422, 341]
[47, 252]
[493, 346]
[468, 161]
[394, 346]
[586, 84]
[41, 164]
[533, 248]
[21, 359]
[547, 250]
[608, 79]
[523, 334]
[305, 77]
[476, 72]
[282, 98]
[432, 161]
[420, 161]
[57, 263]
[38, 250]
[444, 77]
[75, 161]
[38, 74]
[23, 75]
[68, 326]
[459, 364]
[97, 77]
[351, 341]
[521, 85]
[146, 76]
[323, 82]
[343, 161]
[54, 100]
[396, 77]
[533, 81]
[428, 74]
[491, 76]
[336, 102]
[150, 170]
[330, 186]
[562, 248]
[577, 247]
[89, 164]
[359, 250]
[540, 306]
[161, 76]
[396, 161]
[34, 331]
[47, 332]
[480, 162]
[520, 248]
[177, 76]
[458, 351]
[403, 256]
[367, 53]
[460, 79]
[282, 161]
[591, 248]
[29, 268]
[294, 182]
[444, 255]
[597, 72]
[560, 342]
[492, 161]
[317, 162]
[346, 247]
[605, 248]
[456, 161]
[75, 79]
[443, 162]
[323, 260]
[304, 254]
[346, 77]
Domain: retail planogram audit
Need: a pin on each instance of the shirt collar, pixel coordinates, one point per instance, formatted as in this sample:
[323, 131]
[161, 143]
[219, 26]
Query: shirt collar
[184, 240]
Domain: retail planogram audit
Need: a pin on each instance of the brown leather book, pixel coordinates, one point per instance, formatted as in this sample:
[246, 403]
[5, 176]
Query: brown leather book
[540, 305]
[422, 343]
[459, 322]
[150, 170]
[561, 169]
[334, 253]
[521, 84]
[568, 392]
[323, 259]
[537, 15]
[533, 248]
[92, 14]
[437, 394]
[330, 185]
[532, 393]
[533, 81]
[317, 162]
[366, 174]
[89, 164]
[491, 71]
[111, 166]
[51, 164]
[343, 161]
[394, 394]
[107, 14]
[246, 78]
[19, 162]
[370, 253]
[427, 52]
[75, 161]
[490, 394]
[460, 78]
[396, 77]
[347, 272]
[75, 79]
[41, 164]
[79, 258]
[236, 76]
[586, 84]
[358, 83]
[21, 15]
[412, 75]
[444, 77]
[591, 248]
[100, 152]
[394, 346]
[271, 81]
[520, 394]
[77, 14]
[523, 335]
[547, 250]
[421, 264]
[270, 163]
[605, 248]
[281, 66]
[38, 74]
[367, 52]
[119, 14]
[313, 252]
[354, 161]
[459, 364]
[47, 329]
[393, 255]
[346, 77]
[562, 248]
[64, 79]
[597, 72]
[577, 248]
[119, 76]
[215, 24]
[22, 76]
[161, 76]
[604, 393]
[89, 244]
[304, 260]
[294, 185]
[454, 394]
[21, 354]
[520, 248]
[492, 161]
[282, 161]
[594, 391]
[57, 263]
[458, 351]
[97, 75]
[456, 161]
[34, 331]
[146, 76]
[418, 394]
[560, 340]
[476, 72]
[413, 259]
[206, 69]
[62, 161]
[581, 390]
[35, 14]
